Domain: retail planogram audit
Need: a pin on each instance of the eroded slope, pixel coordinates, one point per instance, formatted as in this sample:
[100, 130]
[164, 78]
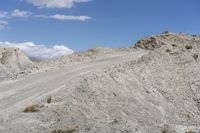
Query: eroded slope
[13, 62]
[153, 88]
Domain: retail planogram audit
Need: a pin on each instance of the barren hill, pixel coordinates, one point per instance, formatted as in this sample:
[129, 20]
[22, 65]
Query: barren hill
[13, 62]
[152, 87]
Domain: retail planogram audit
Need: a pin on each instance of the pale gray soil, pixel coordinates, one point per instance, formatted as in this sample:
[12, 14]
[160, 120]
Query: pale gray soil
[151, 88]
[17, 94]
[14, 63]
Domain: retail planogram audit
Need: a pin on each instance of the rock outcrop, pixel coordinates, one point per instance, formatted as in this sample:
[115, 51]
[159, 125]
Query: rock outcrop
[167, 38]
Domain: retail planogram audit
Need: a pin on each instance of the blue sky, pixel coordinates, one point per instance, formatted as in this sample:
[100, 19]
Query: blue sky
[109, 23]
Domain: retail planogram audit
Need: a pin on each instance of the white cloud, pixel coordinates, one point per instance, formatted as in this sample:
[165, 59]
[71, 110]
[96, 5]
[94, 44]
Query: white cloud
[14, 13]
[3, 14]
[3, 24]
[70, 17]
[41, 52]
[24, 14]
[65, 17]
[7, 15]
[55, 3]
[21, 14]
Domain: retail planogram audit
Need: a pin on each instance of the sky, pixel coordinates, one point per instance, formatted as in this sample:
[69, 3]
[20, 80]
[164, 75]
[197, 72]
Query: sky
[76, 25]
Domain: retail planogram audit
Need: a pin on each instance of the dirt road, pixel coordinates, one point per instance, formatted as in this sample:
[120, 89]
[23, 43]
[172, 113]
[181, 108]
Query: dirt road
[15, 94]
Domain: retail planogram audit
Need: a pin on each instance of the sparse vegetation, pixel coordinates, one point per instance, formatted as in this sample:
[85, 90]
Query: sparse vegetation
[188, 46]
[115, 121]
[64, 131]
[195, 56]
[32, 108]
[190, 132]
[165, 32]
[174, 45]
[49, 99]
[166, 129]
[167, 50]
[194, 35]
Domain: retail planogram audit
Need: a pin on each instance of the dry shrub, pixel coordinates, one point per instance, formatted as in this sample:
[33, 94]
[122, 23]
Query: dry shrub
[64, 131]
[167, 50]
[31, 108]
[195, 56]
[49, 99]
[188, 46]
[190, 132]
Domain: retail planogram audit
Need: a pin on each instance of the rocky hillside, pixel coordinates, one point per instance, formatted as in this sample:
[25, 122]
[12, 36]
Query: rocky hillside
[14, 62]
[159, 93]
[151, 88]
[167, 38]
